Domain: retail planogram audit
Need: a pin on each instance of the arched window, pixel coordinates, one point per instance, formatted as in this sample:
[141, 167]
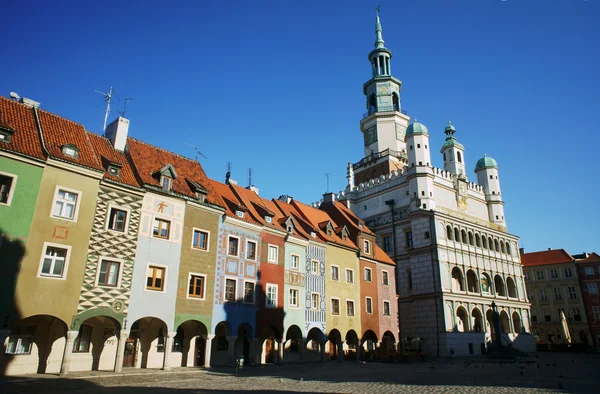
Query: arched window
[496, 245]
[472, 285]
[395, 101]
[449, 232]
[463, 235]
[462, 320]
[444, 157]
[485, 284]
[456, 235]
[478, 240]
[372, 104]
[471, 239]
[508, 249]
[504, 322]
[457, 280]
[458, 156]
[502, 247]
[512, 289]
[499, 285]
[484, 242]
[491, 243]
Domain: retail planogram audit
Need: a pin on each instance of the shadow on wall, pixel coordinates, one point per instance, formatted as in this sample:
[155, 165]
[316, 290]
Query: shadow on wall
[11, 254]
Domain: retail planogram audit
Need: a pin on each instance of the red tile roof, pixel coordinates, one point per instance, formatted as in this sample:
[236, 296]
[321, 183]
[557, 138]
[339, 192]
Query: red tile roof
[555, 256]
[319, 219]
[303, 227]
[592, 258]
[26, 139]
[232, 203]
[104, 149]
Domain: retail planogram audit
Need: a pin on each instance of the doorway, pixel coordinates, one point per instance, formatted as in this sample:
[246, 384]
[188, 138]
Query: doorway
[200, 352]
[130, 352]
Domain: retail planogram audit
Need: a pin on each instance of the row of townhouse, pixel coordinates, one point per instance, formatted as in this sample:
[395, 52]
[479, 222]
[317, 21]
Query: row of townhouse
[116, 253]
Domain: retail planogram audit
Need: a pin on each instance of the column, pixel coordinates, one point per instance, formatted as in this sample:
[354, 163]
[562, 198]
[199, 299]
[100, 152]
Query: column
[389, 68]
[68, 352]
[121, 340]
[4, 333]
[208, 350]
[322, 350]
[358, 350]
[168, 346]
[378, 66]
[231, 344]
[302, 348]
[280, 350]
[257, 348]
[340, 351]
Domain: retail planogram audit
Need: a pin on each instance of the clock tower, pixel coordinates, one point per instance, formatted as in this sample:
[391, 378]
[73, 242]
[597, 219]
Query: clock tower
[384, 124]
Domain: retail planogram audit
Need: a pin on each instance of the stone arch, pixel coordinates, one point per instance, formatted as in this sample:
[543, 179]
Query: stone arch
[525, 321]
[472, 282]
[242, 342]
[190, 341]
[388, 341]
[458, 283]
[462, 319]
[456, 234]
[502, 247]
[477, 240]
[293, 344]
[369, 343]
[517, 327]
[476, 320]
[395, 101]
[496, 245]
[508, 249]
[351, 344]
[491, 243]
[315, 345]
[98, 337]
[269, 336]
[484, 244]
[512, 289]
[486, 284]
[471, 241]
[148, 340]
[334, 345]
[449, 233]
[463, 237]
[499, 285]
[489, 325]
[505, 322]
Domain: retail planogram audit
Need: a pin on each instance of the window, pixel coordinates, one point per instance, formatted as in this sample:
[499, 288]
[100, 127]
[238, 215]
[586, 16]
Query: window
[230, 289]
[177, 346]
[117, 220]
[65, 204]
[368, 275]
[335, 306]
[273, 253]
[387, 243]
[249, 292]
[557, 293]
[366, 246]
[200, 240]
[349, 308]
[592, 288]
[589, 271]
[349, 276]
[547, 316]
[539, 275]
[527, 276]
[196, 286]
[239, 214]
[543, 295]
[576, 314]
[155, 278]
[572, 293]
[161, 229]
[335, 272]
[294, 262]
[568, 273]
[20, 340]
[534, 318]
[82, 342]
[232, 247]
[271, 300]
[596, 313]
[530, 295]
[553, 274]
[293, 298]
[314, 299]
[369, 305]
[6, 188]
[386, 308]
[314, 264]
[386, 278]
[166, 183]
[458, 156]
[54, 261]
[251, 250]
[109, 273]
[268, 219]
[409, 239]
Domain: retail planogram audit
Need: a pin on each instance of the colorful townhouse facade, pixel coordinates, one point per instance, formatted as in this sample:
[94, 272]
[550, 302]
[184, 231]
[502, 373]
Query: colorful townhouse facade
[588, 269]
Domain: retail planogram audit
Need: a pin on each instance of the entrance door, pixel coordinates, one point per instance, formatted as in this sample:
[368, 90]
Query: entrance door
[200, 350]
[130, 352]
[269, 351]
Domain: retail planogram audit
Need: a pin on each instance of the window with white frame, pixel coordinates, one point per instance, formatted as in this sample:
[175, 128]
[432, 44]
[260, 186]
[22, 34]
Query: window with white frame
[572, 293]
[589, 271]
[294, 261]
[230, 289]
[568, 272]
[161, 228]
[117, 219]
[368, 275]
[314, 301]
[196, 286]
[366, 246]
[349, 308]
[251, 250]
[539, 275]
[166, 182]
[553, 274]
[294, 296]
[20, 340]
[530, 295]
[349, 275]
[386, 278]
[200, 239]
[314, 264]
[54, 261]
[7, 187]
[335, 306]
[369, 305]
[592, 288]
[108, 272]
[249, 292]
[233, 246]
[335, 272]
[155, 278]
[543, 295]
[557, 293]
[527, 276]
[83, 340]
[576, 314]
[271, 299]
[273, 253]
[386, 308]
[65, 204]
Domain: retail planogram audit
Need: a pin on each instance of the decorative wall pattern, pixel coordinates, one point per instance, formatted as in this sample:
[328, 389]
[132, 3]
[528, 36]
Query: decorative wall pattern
[315, 284]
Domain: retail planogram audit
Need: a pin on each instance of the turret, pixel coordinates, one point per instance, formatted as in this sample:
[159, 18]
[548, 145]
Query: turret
[453, 153]
[417, 144]
[487, 177]
[420, 177]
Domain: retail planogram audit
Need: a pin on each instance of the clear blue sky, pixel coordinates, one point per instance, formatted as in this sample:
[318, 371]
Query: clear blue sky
[277, 86]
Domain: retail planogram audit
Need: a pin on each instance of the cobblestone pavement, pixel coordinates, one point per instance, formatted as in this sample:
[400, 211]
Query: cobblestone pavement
[546, 373]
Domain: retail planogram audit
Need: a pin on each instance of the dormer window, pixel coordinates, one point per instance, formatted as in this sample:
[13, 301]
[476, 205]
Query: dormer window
[313, 234]
[6, 133]
[166, 176]
[290, 229]
[239, 214]
[166, 183]
[366, 246]
[268, 219]
[114, 170]
[201, 196]
[329, 233]
[70, 150]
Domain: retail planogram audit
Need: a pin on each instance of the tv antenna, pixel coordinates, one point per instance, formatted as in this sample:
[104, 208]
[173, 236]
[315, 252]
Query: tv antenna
[127, 99]
[107, 98]
[249, 176]
[327, 176]
[198, 153]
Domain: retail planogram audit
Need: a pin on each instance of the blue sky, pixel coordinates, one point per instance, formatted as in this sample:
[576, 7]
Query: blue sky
[276, 86]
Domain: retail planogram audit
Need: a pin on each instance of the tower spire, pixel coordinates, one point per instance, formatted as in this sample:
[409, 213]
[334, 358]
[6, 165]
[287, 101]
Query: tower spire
[379, 43]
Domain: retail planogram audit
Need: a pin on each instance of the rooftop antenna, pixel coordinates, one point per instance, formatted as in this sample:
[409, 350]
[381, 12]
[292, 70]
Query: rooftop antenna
[127, 99]
[107, 98]
[249, 176]
[327, 175]
[228, 174]
[198, 153]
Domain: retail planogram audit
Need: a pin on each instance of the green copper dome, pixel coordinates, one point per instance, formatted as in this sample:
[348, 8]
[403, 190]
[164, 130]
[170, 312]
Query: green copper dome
[485, 162]
[416, 128]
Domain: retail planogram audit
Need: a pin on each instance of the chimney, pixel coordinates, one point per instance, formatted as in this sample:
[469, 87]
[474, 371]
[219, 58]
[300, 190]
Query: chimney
[521, 251]
[117, 131]
[30, 102]
[285, 198]
[253, 188]
[549, 249]
[329, 198]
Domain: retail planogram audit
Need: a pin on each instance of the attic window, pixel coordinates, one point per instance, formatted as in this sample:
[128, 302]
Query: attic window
[114, 170]
[329, 233]
[344, 237]
[201, 196]
[239, 214]
[6, 133]
[70, 150]
[313, 234]
[268, 219]
[290, 229]
[166, 183]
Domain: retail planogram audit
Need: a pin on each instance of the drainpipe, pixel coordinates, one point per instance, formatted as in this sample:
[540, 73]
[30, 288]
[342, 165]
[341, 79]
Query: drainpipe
[434, 259]
[39, 127]
[390, 203]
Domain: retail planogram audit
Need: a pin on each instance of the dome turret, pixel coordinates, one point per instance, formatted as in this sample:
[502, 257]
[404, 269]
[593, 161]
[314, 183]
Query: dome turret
[416, 128]
[486, 162]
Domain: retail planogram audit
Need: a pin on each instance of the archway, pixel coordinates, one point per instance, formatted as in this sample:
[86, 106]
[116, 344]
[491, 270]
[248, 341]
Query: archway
[334, 344]
[388, 342]
[449, 233]
[490, 330]
[269, 337]
[242, 343]
[472, 282]
[35, 345]
[145, 347]
[499, 285]
[96, 345]
[486, 284]
[504, 322]
[221, 349]
[293, 345]
[512, 289]
[462, 320]
[477, 320]
[457, 280]
[369, 345]
[517, 328]
[315, 345]
[351, 346]
[190, 344]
